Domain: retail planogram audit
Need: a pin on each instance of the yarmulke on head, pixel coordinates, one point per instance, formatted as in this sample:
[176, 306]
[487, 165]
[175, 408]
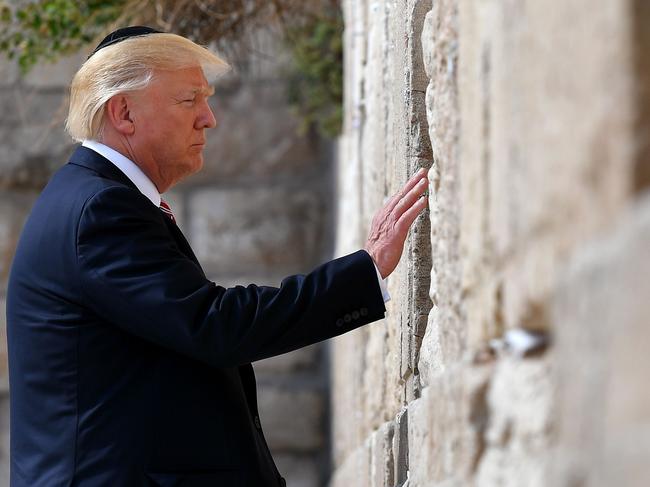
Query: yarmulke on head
[124, 33]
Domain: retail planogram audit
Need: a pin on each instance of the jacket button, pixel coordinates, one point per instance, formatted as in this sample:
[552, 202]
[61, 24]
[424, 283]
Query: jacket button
[256, 420]
[283, 483]
[339, 322]
[355, 315]
[347, 318]
[363, 311]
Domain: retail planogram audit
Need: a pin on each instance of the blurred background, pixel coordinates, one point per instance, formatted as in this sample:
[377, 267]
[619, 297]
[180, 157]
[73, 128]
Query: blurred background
[514, 351]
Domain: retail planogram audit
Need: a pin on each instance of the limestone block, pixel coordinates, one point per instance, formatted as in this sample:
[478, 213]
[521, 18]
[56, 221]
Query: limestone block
[446, 427]
[525, 74]
[292, 419]
[375, 387]
[350, 235]
[444, 339]
[420, 439]
[347, 403]
[299, 360]
[508, 468]
[520, 407]
[375, 128]
[520, 402]
[265, 230]
[355, 470]
[298, 471]
[601, 315]
[381, 456]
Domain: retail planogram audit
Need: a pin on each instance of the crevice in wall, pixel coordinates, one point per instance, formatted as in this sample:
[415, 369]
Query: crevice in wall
[641, 58]
[479, 418]
[486, 156]
[420, 154]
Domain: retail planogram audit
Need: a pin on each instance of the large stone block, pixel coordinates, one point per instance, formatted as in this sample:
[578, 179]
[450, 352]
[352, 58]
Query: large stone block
[355, 470]
[601, 315]
[270, 230]
[381, 457]
[292, 418]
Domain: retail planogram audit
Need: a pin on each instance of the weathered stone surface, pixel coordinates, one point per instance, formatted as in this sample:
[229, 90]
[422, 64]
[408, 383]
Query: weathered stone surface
[264, 230]
[346, 405]
[445, 335]
[519, 411]
[355, 470]
[382, 463]
[601, 310]
[292, 419]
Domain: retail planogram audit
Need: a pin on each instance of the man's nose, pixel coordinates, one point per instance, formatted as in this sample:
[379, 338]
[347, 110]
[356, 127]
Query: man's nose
[206, 119]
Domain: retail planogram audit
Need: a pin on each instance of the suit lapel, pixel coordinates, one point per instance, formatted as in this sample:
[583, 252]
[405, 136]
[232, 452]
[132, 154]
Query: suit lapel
[181, 240]
[90, 159]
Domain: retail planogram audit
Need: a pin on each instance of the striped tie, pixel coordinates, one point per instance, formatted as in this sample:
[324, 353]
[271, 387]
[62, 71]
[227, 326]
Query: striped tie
[167, 211]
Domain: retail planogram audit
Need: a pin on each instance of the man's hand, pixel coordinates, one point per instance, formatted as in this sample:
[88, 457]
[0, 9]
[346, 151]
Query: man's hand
[391, 224]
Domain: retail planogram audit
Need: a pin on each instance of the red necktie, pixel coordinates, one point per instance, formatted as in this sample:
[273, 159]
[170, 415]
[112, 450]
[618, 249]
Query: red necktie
[166, 209]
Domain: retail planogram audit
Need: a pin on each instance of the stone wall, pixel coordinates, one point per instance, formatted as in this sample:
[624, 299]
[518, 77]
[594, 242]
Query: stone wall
[512, 353]
[261, 209]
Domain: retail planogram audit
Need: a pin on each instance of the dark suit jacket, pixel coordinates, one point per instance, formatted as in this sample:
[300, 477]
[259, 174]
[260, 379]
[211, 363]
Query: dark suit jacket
[127, 366]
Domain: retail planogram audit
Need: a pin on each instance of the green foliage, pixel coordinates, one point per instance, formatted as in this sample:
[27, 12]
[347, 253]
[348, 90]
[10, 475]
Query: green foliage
[45, 29]
[316, 85]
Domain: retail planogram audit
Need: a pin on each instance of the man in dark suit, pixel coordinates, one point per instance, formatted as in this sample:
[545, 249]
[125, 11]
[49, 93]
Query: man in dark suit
[127, 366]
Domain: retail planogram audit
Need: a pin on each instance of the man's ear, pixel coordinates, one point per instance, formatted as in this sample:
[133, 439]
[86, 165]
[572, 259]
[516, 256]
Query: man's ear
[118, 113]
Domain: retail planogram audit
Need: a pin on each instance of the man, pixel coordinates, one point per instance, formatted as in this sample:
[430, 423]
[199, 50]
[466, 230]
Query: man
[127, 366]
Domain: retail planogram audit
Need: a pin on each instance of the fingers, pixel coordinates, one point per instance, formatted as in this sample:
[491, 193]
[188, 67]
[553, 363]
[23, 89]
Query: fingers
[410, 184]
[408, 217]
[410, 198]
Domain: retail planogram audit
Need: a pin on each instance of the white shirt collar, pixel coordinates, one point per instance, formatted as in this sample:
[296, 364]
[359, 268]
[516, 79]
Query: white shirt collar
[128, 167]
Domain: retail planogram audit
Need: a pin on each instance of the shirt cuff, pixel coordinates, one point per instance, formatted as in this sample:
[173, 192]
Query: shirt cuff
[382, 285]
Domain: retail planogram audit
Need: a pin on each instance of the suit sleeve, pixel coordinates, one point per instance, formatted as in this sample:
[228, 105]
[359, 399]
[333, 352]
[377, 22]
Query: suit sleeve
[135, 277]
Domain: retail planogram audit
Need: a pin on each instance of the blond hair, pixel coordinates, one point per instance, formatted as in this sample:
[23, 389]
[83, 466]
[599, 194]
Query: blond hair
[128, 66]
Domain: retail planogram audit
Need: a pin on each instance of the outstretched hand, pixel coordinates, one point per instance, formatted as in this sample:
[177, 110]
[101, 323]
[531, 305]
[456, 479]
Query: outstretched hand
[391, 223]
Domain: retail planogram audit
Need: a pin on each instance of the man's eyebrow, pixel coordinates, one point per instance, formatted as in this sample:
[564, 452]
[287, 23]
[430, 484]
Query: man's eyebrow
[206, 90]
